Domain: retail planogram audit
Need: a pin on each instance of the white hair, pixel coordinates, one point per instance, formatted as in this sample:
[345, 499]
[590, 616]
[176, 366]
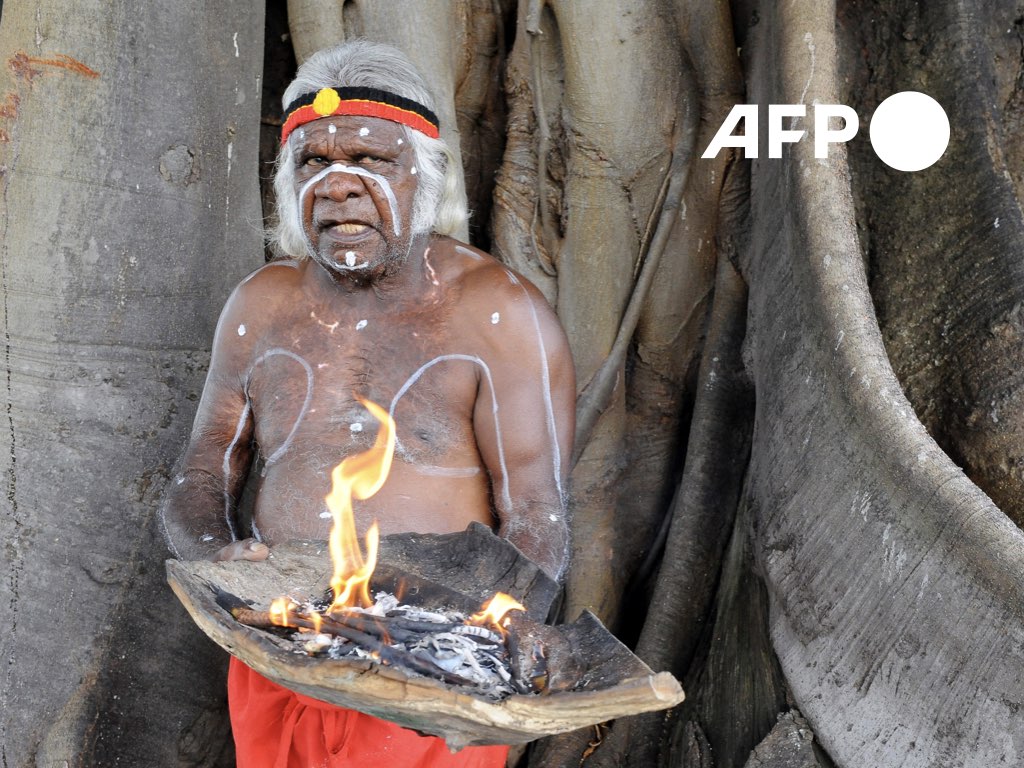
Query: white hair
[437, 205]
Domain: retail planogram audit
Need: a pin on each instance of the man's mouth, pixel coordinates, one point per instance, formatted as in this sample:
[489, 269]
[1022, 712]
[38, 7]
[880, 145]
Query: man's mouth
[347, 231]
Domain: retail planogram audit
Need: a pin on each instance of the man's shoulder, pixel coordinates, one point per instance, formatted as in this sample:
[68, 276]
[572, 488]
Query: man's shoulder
[273, 275]
[481, 277]
[260, 295]
[496, 298]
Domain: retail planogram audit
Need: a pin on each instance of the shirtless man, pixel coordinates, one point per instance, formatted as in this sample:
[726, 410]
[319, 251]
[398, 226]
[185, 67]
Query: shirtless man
[375, 302]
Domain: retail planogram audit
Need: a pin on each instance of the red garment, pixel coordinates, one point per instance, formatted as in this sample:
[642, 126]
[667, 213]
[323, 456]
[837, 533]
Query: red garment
[278, 728]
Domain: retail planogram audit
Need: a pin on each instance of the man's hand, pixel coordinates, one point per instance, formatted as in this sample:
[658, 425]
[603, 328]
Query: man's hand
[246, 549]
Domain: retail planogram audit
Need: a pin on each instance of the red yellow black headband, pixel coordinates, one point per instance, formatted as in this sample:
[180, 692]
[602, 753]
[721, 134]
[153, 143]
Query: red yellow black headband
[368, 102]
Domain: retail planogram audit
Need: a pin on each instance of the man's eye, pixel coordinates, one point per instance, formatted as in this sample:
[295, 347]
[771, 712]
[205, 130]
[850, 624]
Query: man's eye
[316, 161]
[369, 159]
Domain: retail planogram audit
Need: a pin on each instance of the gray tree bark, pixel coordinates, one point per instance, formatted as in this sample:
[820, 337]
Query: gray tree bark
[128, 160]
[779, 361]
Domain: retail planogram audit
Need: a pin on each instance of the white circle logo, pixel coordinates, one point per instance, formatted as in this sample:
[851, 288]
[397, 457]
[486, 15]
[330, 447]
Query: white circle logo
[909, 131]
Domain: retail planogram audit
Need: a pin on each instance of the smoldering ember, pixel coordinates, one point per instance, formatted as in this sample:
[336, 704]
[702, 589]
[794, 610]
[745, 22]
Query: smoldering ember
[482, 652]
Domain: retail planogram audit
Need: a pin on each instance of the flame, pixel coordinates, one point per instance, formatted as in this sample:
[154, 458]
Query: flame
[495, 609]
[280, 611]
[359, 476]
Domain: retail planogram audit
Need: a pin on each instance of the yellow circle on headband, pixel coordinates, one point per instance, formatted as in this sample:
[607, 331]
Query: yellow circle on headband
[326, 101]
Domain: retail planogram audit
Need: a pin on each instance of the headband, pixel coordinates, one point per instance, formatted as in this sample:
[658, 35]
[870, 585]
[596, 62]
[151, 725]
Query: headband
[367, 102]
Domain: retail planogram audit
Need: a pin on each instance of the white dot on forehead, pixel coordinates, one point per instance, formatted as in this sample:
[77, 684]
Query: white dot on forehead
[325, 515]
[360, 325]
[241, 330]
[332, 128]
[364, 131]
[495, 318]
[356, 426]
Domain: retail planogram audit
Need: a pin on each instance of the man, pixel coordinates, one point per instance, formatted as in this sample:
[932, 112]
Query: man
[375, 302]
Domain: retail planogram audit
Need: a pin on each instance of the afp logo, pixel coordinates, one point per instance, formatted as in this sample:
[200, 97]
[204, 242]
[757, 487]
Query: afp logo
[909, 131]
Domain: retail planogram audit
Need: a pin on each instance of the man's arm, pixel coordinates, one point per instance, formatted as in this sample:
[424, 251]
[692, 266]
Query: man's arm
[524, 420]
[198, 513]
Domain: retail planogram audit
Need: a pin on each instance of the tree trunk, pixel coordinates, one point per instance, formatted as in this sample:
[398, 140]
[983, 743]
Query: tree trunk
[130, 208]
[896, 586]
[810, 343]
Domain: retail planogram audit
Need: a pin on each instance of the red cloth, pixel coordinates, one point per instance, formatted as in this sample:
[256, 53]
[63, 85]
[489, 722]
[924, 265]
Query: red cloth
[278, 728]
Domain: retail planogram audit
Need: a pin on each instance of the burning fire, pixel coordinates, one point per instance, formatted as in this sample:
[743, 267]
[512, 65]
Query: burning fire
[359, 476]
[495, 610]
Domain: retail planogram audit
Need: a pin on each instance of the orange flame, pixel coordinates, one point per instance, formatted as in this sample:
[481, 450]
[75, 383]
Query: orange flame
[280, 611]
[495, 609]
[359, 476]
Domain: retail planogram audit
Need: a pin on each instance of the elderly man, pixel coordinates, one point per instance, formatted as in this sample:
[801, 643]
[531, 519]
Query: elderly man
[375, 302]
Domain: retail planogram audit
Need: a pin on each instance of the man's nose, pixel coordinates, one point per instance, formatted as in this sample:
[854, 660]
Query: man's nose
[340, 185]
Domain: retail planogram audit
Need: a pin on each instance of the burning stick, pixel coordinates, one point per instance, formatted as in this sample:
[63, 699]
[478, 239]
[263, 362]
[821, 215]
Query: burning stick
[354, 632]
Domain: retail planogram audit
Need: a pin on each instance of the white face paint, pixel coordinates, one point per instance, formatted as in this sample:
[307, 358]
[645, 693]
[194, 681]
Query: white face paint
[364, 131]
[495, 318]
[241, 330]
[355, 426]
[332, 128]
[413, 170]
[360, 325]
[379, 180]
[401, 141]
[350, 258]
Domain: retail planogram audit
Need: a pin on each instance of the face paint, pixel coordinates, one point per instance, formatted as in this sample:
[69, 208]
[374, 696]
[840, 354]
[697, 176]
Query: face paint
[360, 325]
[332, 128]
[495, 318]
[241, 330]
[380, 181]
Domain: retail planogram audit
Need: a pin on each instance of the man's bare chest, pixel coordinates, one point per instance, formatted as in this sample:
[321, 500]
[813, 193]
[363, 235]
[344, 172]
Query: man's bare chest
[305, 384]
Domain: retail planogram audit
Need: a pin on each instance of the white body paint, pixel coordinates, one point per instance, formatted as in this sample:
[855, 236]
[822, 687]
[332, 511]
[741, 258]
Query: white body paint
[241, 330]
[332, 128]
[364, 131]
[505, 495]
[226, 468]
[430, 268]
[466, 252]
[549, 409]
[360, 325]
[305, 404]
[495, 318]
[355, 427]
[350, 258]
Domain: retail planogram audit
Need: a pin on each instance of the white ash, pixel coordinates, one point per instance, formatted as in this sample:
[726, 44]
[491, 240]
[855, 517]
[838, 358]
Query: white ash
[475, 653]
